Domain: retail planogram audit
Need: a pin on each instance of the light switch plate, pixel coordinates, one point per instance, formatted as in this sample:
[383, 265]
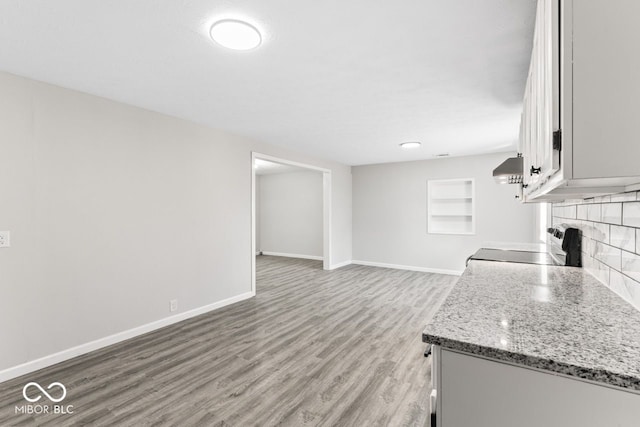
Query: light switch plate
[5, 241]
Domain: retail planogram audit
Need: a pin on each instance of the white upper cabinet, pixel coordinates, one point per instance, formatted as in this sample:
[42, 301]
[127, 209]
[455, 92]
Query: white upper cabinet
[578, 133]
[541, 112]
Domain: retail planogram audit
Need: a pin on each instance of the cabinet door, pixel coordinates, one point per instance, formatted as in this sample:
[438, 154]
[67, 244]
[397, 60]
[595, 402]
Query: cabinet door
[606, 89]
[486, 393]
[548, 70]
[525, 136]
[541, 107]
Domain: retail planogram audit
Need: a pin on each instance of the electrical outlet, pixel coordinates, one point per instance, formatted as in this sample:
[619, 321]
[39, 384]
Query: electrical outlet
[4, 239]
[173, 305]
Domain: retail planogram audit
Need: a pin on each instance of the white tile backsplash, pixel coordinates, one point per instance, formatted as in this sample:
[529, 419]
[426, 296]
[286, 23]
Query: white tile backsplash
[625, 287]
[608, 255]
[610, 239]
[603, 199]
[568, 212]
[588, 247]
[631, 214]
[631, 265]
[623, 237]
[598, 231]
[624, 197]
[612, 213]
[594, 212]
[599, 270]
[582, 211]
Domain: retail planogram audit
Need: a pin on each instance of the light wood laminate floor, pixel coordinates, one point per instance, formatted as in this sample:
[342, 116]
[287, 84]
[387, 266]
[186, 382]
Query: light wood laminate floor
[313, 348]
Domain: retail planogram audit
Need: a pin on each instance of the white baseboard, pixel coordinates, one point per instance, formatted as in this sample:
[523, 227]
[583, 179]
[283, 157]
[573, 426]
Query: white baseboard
[314, 257]
[70, 353]
[409, 267]
[340, 264]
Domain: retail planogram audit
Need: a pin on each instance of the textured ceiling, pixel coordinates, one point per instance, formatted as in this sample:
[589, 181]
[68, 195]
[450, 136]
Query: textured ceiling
[342, 80]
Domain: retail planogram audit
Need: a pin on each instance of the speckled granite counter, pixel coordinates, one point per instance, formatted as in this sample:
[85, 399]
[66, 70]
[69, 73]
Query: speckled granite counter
[559, 319]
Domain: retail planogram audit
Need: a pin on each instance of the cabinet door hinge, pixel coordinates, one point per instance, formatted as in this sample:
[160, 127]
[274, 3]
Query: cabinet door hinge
[557, 140]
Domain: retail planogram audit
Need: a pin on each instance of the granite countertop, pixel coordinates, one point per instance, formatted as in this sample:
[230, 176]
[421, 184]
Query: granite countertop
[558, 319]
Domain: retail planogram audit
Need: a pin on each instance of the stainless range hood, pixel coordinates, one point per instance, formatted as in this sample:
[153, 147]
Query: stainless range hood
[510, 171]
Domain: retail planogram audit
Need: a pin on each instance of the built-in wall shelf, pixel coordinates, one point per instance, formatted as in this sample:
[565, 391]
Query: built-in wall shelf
[450, 206]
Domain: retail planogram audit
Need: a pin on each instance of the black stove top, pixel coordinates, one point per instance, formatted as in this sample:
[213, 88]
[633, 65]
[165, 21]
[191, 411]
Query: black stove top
[564, 248]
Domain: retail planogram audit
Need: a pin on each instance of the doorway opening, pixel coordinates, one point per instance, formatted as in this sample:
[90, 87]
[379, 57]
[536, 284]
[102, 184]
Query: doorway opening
[283, 177]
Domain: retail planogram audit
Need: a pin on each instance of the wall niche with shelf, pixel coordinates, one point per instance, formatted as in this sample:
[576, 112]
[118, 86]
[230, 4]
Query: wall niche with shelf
[451, 206]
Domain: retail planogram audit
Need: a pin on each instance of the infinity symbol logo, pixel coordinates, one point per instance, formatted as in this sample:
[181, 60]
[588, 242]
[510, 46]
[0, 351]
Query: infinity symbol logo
[51, 398]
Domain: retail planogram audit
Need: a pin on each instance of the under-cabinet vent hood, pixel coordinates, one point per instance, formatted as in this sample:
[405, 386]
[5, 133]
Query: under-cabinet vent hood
[509, 171]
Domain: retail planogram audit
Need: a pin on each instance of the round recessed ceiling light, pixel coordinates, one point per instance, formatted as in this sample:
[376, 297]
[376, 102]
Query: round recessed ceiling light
[410, 145]
[236, 35]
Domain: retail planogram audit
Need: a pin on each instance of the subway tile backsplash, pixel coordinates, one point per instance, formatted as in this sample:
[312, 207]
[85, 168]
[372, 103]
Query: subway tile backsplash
[610, 239]
[631, 265]
[631, 214]
[623, 237]
[611, 213]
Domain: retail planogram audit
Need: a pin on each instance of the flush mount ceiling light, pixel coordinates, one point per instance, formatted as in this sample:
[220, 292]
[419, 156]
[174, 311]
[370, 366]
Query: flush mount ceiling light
[236, 35]
[410, 145]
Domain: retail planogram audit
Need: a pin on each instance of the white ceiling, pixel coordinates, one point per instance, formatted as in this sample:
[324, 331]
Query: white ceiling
[342, 80]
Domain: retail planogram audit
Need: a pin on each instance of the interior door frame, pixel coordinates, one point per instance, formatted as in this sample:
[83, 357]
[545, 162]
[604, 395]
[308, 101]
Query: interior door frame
[326, 209]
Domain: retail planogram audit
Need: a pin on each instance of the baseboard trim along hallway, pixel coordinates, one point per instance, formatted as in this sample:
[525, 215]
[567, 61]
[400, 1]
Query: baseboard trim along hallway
[81, 349]
[300, 256]
[408, 267]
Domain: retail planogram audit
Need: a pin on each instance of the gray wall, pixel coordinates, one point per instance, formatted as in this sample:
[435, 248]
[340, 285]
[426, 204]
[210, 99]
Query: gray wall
[390, 212]
[291, 213]
[114, 210]
[610, 239]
